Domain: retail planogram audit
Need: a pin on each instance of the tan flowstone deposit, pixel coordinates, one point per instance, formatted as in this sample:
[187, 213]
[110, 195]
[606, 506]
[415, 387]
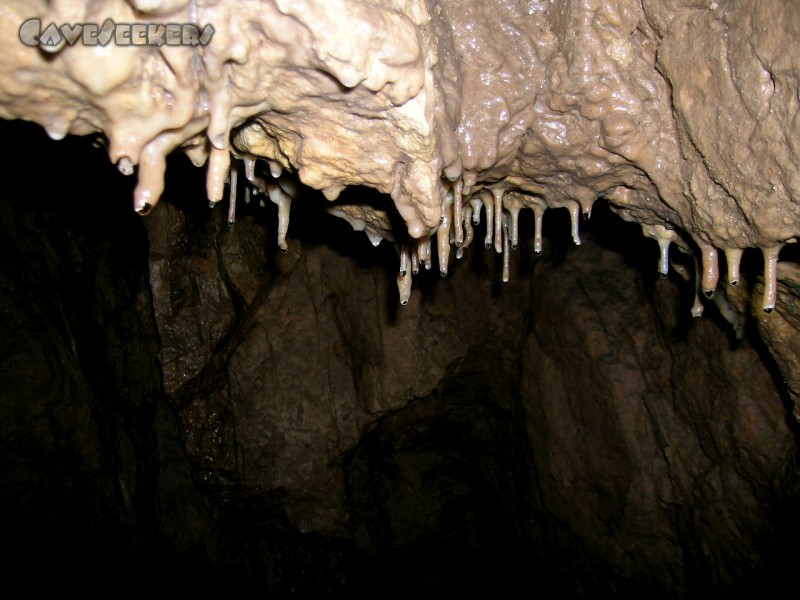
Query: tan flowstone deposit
[179, 394]
[683, 114]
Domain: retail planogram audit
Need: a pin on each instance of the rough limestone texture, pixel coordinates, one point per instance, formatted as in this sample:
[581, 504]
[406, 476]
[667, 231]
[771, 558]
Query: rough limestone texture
[190, 401]
[781, 333]
[199, 408]
[682, 114]
[660, 397]
[567, 100]
[92, 466]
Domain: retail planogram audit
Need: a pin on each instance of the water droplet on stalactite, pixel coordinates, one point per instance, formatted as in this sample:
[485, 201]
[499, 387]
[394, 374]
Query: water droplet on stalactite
[770, 276]
[734, 258]
[587, 203]
[234, 176]
[125, 166]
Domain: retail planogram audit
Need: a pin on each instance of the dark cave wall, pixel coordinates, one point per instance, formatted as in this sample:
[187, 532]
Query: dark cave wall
[652, 429]
[315, 352]
[94, 483]
[650, 451]
[188, 400]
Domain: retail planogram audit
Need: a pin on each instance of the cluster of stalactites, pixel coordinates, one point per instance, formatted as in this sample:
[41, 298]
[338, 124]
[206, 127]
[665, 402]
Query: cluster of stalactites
[281, 189]
[707, 273]
[498, 207]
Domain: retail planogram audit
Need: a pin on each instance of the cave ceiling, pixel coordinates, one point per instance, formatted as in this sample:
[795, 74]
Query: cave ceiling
[682, 114]
[251, 372]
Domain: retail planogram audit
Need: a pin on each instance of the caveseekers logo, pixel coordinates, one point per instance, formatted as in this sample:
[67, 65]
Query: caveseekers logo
[54, 37]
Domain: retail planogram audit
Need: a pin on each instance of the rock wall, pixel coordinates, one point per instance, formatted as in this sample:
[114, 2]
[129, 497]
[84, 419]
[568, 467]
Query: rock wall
[559, 102]
[183, 401]
[191, 404]
[94, 483]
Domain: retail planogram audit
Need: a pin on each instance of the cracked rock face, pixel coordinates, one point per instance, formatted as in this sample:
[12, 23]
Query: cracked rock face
[265, 421]
[683, 115]
[577, 413]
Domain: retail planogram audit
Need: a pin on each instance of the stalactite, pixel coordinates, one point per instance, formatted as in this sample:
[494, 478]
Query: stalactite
[770, 276]
[284, 201]
[232, 196]
[734, 258]
[443, 239]
[506, 249]
[710, 269]
[458, 213]
[497, 193]
[488, 206]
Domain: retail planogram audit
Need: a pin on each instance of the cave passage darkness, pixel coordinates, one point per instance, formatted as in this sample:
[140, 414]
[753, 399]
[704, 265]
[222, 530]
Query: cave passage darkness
[182, 405]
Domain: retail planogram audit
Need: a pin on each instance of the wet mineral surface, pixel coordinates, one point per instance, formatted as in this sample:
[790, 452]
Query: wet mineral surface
[185, 403]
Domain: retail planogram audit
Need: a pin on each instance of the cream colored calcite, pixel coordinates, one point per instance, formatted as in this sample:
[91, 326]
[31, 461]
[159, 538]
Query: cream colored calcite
[308, 85]
[363, 217]
[684, 114]
[735, 69]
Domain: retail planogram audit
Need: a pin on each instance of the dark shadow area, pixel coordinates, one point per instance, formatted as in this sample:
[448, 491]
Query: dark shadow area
[441, 494]
[90, 456]
[475, 484]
